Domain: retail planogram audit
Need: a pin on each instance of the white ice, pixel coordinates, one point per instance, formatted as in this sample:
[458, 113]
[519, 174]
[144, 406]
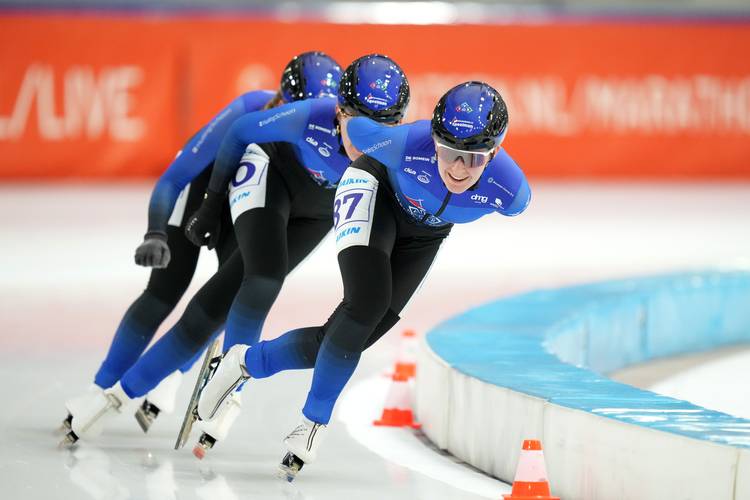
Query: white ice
[66, 277]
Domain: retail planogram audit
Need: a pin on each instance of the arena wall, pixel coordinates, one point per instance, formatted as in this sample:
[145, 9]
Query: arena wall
[114, 95]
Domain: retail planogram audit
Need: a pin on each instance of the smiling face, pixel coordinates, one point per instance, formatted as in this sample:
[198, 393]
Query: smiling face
[460, 170]
[352, 152]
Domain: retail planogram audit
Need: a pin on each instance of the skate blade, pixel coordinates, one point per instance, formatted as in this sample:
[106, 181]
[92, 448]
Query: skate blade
[144, 420]
[205, 443]
[199, 452]
[64, 426]
[286, 473]
[191, 414]
[68, 442]
[290, 467]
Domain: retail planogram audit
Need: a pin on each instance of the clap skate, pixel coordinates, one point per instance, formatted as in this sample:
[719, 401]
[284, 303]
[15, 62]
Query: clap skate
[230, 374]
[92, 390]
[90, 412]
[65, 425]
[302, 448]
[210, 363]
[218, 428]
[160, 400]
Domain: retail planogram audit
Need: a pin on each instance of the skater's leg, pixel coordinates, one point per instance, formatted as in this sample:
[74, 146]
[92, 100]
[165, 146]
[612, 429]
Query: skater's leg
[142, 319]
[202, 318]
[411, 260]
[261, 233]
[366, 275]
[272, 243]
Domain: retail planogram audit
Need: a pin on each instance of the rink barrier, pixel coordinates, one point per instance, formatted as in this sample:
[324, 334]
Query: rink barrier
[529, 367]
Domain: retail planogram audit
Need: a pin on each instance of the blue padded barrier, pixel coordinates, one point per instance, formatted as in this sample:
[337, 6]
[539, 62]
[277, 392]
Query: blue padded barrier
[557, 344]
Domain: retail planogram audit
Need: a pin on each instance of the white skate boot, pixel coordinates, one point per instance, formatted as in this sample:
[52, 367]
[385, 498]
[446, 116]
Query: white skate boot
[91, 392]
[302, 445]
[218, 428]
[90, 413]
[160, 400]
[230, 374]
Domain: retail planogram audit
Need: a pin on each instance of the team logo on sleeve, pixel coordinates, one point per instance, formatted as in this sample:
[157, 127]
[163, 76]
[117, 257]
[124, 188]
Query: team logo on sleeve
[415, 202]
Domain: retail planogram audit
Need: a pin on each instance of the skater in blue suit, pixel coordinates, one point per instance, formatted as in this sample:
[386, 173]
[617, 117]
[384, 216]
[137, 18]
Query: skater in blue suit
[393, 208]
[178, 193]
[278, 170]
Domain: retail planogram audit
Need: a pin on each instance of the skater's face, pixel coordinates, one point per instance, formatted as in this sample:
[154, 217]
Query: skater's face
[460, 170]
[352, 152]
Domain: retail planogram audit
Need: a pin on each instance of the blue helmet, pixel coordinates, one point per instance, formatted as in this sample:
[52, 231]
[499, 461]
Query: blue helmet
[310, 75]
[471, 116]
[376, 87]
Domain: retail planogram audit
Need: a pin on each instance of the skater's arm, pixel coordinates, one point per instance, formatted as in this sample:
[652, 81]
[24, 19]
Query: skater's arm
[384, 143]
[283, 124]
[509, 184]
[197, 154]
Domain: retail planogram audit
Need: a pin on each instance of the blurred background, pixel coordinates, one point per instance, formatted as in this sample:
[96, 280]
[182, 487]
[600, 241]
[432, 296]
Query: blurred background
[611, 89]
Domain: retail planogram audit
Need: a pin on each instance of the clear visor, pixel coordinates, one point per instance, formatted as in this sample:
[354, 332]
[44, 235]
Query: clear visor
[470, 158]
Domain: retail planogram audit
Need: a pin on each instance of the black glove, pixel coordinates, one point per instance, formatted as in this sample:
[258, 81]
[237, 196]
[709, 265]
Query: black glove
[203, 227]
[154, 251]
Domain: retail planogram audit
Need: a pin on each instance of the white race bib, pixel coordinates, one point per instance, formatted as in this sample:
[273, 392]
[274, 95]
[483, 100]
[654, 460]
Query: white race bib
[248, 188]
[353, 208]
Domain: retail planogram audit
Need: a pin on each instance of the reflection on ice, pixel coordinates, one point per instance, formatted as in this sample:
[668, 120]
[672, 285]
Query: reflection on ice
[89, 469]
[215, 487]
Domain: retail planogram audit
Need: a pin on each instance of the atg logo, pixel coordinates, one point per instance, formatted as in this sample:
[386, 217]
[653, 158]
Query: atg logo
[479, 198]
[464, 106]
[379, 84]
[328, 81]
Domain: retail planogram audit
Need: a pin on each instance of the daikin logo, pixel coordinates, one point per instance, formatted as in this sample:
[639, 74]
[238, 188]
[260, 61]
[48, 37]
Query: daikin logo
[352, 180]
[238, 198]
[347, 232]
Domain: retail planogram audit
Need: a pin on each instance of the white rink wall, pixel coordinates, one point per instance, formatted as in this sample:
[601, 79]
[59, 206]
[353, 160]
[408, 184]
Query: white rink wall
[481, 391]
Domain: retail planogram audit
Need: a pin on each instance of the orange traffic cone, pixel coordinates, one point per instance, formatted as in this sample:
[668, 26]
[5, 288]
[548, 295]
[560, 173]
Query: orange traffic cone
[397, 410]
[531, 482]
[406, 363]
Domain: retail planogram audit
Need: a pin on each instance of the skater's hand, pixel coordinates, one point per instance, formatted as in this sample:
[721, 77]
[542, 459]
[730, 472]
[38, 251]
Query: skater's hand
[203, 227]
[154, 251]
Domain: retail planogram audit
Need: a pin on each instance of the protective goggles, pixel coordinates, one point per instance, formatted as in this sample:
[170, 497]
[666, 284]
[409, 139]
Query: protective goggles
[470, 158]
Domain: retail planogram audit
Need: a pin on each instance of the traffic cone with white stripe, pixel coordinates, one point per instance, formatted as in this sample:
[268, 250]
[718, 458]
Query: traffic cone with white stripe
[406, 363]
[531, 481]
[397, 411]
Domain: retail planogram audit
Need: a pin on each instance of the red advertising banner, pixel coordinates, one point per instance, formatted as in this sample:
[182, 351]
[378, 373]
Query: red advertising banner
[93, 96]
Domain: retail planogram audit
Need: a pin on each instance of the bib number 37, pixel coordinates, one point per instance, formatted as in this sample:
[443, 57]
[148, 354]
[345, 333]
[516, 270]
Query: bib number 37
[344, 206]
[353, 207]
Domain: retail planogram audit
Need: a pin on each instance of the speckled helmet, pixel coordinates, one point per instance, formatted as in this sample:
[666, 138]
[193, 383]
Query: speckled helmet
[376, 87]
[310, 75]
[471, 116]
